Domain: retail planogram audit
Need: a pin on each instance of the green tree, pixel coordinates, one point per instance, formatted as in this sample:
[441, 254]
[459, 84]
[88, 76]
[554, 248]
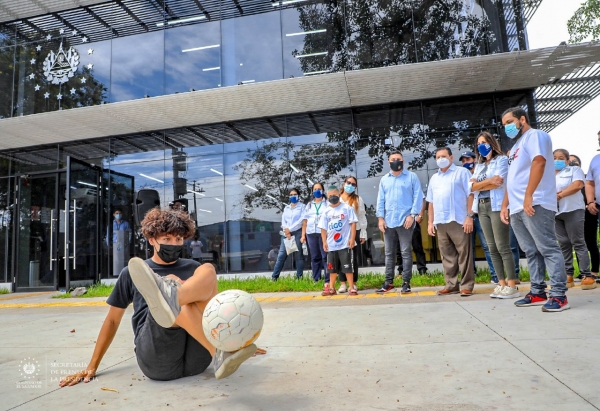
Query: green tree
[585, 23]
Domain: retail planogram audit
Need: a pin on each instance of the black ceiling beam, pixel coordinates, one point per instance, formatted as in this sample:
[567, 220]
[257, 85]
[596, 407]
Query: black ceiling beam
[34, 27]
[65, 22]
[163, 8]
[564, 98]
[199, 135]
[202, 9]
[236, 131]
[314, 123]
[237, 5]
[554, 112]
[100, 20]
[131, 14]
[279, 133]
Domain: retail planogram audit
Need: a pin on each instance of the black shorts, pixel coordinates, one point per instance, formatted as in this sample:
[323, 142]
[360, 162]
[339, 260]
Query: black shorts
[340, 261]
[166, 354]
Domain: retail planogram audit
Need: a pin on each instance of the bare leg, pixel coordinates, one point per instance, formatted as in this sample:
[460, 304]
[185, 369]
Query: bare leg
[350, 278]
[190, 319]
[332, 278]
[201, 287]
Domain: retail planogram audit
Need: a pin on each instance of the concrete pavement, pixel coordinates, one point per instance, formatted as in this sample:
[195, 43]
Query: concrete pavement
[417, 354]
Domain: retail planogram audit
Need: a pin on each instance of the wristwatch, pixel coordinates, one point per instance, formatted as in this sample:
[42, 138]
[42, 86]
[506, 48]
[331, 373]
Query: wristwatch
[471, 215]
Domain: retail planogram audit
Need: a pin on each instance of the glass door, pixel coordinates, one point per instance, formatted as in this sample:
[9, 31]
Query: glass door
[82, 204]
[37, 227]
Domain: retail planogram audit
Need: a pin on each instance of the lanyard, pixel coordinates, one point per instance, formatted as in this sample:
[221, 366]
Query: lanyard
[318, 208]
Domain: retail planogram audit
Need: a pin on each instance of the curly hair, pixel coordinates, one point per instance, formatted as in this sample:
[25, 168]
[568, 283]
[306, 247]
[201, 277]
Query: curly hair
[174, 222]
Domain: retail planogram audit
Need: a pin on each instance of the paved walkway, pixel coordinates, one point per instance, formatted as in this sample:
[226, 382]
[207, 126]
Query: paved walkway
[421, 353]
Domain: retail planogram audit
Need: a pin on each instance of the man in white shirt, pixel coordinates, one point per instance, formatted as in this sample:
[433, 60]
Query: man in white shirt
[450, 202]
[531, 199]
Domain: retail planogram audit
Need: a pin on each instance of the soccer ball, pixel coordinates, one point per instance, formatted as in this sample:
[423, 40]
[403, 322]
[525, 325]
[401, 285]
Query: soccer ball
[232, 320]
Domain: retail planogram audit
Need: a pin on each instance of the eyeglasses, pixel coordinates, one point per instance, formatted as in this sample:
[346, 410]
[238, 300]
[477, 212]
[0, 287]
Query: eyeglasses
[352, 184]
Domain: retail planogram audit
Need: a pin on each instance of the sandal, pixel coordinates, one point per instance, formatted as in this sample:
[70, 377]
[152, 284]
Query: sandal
[353, 291]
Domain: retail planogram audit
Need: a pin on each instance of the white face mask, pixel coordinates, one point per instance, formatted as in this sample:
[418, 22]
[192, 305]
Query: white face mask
[443, 162]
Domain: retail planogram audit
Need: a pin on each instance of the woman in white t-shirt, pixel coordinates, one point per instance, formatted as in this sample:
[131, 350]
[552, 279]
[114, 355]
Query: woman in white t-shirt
[348, 195]
[570, 217]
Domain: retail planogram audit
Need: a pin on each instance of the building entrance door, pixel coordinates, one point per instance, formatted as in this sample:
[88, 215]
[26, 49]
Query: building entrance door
[56, 230]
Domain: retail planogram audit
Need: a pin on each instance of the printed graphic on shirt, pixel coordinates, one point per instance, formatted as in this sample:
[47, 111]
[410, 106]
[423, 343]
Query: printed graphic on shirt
[514, 155]
[338, 222]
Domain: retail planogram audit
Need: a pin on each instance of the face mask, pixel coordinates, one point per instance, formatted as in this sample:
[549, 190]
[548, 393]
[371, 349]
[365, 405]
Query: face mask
[348, 188]
[170, 253]
[396, 165]
[293, 199]
[573, 164]
[443, 162]
[559, 164]
[317, 194]
[511, 130]
[469, 166]
[334, 199]
[484, 149]
[117, 217]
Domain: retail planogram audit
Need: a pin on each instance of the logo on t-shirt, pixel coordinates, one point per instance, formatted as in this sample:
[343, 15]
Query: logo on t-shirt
[337, 237]
[513, 156]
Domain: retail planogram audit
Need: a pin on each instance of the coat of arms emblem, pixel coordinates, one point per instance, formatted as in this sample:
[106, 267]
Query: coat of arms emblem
[60, 66]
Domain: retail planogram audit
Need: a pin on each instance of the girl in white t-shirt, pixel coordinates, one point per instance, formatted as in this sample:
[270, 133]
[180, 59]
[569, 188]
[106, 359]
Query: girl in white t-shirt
[569, 220]
[349, 196]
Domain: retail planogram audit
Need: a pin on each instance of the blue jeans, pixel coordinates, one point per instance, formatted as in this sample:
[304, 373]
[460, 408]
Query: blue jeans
[537, 237]
[318, 256]
[479, 232]
[283, 255]
[514, 247]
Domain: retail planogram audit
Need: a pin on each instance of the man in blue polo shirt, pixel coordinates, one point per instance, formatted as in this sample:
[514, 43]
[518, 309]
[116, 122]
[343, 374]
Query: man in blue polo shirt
[398, 204]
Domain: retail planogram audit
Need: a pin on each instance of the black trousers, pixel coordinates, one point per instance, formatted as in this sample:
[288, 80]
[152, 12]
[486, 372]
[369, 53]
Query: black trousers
[590, 232]
[355, 255]
[417, 246]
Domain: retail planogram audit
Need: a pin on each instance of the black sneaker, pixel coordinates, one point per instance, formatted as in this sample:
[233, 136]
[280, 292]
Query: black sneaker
[386, 289]
[405, 288]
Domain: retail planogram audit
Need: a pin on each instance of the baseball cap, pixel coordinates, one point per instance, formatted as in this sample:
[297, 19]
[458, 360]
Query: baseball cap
[467, 154]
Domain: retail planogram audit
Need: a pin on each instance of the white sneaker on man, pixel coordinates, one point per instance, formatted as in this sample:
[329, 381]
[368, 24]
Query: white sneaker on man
[509, 292]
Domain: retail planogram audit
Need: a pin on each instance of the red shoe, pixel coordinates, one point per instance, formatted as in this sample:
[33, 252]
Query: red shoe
[328, 291]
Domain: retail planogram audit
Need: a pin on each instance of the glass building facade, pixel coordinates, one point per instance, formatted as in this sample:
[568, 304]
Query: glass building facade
[57, 200]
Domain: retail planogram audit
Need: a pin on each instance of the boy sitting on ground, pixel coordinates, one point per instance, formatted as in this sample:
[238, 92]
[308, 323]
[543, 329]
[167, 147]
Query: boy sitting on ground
[338, 231]
[169, 295]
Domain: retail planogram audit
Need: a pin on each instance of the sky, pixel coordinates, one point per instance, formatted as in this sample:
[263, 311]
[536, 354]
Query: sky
[579, 133]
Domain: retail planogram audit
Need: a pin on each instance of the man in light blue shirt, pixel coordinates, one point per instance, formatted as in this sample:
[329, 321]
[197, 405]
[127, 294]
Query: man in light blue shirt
[291, 225]
[398, 204]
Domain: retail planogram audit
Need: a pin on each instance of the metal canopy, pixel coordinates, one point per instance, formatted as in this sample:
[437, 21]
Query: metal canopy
[549, 67]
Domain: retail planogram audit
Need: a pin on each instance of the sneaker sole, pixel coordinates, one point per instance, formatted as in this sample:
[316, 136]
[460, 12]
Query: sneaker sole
[142, 277]
[531, 304]
[571, 285]
[342, 292]
[589, 286]
[385, 292]
[494, 296]
[232, 363]
[405, 292]
[508, 297]
[553, 310]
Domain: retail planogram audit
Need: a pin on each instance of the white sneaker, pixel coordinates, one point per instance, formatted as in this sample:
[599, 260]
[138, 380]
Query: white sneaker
[226, 363]
[342, 289]
[509, 292]
[496, 292]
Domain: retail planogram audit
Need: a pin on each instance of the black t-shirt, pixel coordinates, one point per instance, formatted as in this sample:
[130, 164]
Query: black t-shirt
[125, 292]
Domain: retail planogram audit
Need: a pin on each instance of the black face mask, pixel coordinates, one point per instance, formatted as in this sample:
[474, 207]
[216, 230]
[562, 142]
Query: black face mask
[170, 253]
[334, 199]
[396, 165]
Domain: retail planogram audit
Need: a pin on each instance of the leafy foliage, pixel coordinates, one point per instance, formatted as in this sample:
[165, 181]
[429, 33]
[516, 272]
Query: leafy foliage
[585, 23]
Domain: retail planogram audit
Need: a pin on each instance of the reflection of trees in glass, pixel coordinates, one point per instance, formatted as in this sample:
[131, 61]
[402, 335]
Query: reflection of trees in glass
[377, 33]
[275, 168]
[88, 91]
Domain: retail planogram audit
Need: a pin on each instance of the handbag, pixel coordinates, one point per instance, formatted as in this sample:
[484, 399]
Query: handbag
[290, 245]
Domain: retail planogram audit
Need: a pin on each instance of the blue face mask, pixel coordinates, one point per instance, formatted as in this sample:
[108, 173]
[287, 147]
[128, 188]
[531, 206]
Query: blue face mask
[117, 217]
[318, 193]
[559, 164]
[511, 130]
[293, 199]
[469, 166]
[484, 149]
[349, 188]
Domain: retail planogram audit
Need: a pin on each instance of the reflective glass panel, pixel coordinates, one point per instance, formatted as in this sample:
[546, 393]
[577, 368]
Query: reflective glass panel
[7, 64]
[251, 49]
[193, 57]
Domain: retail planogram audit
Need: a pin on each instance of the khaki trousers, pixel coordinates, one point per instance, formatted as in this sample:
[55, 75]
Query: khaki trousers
[457, 255]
